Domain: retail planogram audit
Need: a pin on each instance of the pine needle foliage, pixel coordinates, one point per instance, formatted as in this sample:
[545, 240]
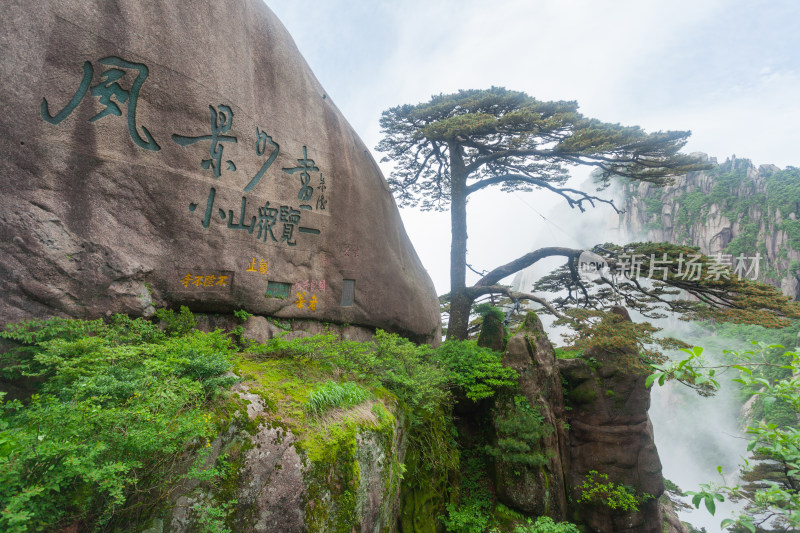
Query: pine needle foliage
[475, 371]
[634, 344]
[653, 279]
[457, 144]
[507, 136]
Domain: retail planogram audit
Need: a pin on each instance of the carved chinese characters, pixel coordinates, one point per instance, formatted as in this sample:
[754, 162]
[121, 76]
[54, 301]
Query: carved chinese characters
[162, 154]
[107, 91]
[111, 94]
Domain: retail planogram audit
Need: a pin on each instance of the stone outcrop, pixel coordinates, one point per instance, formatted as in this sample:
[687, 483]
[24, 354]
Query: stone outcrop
[596, 408]
[280, 487]
[493, 333]
[163, 154]
[537, 490]
[611, 433]
[672, 523]
[261, 329]
[732, 208]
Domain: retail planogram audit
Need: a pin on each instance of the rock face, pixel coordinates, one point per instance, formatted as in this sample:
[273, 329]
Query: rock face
[163, 154]
[537, 490]
[596, 407]
[492, 333]
[733, 208]
[610, 433]
[279, 487]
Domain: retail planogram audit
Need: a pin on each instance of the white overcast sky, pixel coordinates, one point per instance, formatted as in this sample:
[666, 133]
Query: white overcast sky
[728, 70]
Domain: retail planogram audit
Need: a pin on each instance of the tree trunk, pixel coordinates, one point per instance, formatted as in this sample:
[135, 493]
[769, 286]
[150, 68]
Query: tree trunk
[460, 303]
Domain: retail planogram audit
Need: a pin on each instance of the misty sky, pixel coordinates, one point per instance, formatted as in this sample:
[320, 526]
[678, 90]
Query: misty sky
[728, 70]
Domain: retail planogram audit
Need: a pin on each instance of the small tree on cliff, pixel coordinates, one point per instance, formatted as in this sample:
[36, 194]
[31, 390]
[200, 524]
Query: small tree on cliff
[458, 144]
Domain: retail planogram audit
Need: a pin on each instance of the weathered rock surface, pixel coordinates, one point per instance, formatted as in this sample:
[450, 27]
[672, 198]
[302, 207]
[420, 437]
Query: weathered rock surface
[279, 489]
[162, 154]
[271, 491]
[672, 524]
[493, 333]
[597, 408]
[610, 432]
[260, 329]
[539, 491]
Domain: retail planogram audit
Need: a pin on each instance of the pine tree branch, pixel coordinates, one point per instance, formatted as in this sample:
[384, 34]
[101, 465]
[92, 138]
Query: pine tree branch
[574, 197]
[524, 261]
[479, 290]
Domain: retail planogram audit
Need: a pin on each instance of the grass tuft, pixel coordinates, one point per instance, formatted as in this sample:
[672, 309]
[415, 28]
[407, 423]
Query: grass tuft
[332, 395]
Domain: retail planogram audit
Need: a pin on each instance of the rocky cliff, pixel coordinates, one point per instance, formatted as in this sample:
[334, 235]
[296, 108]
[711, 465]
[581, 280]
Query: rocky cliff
[341, 472]
[318, 433]
[734, 209]
[601, 437]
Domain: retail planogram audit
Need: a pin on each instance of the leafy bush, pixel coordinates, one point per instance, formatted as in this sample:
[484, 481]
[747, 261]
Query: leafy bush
[545, 524]
[565, 353]
[332, 395]
[520, 429]
[472, 517]
[242, 315]
[479, 372]
[521, 524]
[598, 490]
[472, 514]
[179, 324]
[115, 405]
[772, 373]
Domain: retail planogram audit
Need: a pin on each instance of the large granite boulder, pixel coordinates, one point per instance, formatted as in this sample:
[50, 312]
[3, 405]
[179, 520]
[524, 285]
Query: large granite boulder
[182, 153]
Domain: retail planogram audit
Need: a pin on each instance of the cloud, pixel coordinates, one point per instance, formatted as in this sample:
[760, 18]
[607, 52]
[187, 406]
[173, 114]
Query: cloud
[727, 70]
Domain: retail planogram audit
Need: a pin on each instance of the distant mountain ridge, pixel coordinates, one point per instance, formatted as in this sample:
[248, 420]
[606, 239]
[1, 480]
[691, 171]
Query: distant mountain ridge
[733, 208]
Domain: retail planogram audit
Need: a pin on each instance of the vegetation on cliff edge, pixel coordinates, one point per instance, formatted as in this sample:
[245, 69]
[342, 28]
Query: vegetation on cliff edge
[103, 411]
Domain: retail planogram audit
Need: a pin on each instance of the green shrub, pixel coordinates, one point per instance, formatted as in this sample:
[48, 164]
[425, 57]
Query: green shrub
[566, 353]
[179, 324]
[545, 524]
[473, 512]
[472, 517]
[479, 372]
[598, 490]
[486, 309]
[520, 430]
[116, 404]
[242, 315]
